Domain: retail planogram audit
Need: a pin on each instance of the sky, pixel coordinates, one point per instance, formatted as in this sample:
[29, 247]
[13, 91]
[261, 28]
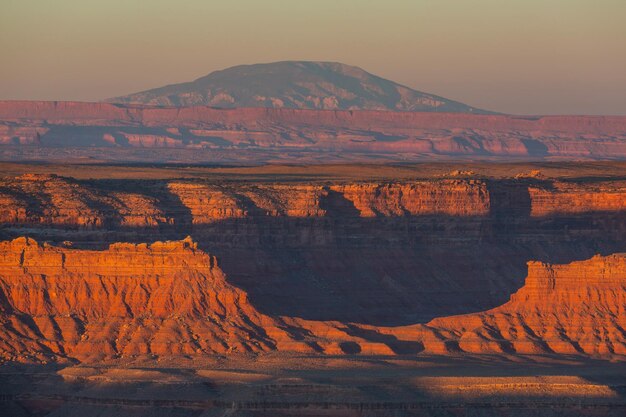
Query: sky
[513, 56]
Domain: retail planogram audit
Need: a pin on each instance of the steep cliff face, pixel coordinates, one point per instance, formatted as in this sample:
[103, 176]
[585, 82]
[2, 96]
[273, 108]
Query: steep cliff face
[574, 308]
[445, 197]
[53, 200]
[49, 199]
[204, 134]
[170, 298]
[163, 298]
[382, 253]
[166, 298]
[565, 198]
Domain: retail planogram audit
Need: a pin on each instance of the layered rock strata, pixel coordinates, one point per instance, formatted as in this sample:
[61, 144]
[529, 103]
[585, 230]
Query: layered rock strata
[52, 129]
[381, 253]
[163, 299]
[171, 298]
[569, 309]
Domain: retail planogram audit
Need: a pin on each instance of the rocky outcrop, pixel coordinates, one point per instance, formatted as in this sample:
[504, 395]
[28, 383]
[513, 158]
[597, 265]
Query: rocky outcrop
[372, 252]
[569, 309]
[567, 198]
[279, 134]
[445, 197]
[54, 200]
[164, 298]
[170, 298]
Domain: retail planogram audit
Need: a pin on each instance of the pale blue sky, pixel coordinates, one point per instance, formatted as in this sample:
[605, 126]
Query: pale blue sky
[532, 56]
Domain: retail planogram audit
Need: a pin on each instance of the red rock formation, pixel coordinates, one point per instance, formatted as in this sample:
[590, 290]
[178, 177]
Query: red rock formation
[163, 298]
[244, 132]
[446, 197]
[171, 298]
[49, 199]
[575, 308]
[53, 200]
[166, 298]
[563, 198]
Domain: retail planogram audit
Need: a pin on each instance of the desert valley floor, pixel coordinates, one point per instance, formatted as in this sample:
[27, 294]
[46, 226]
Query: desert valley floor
[438, 289]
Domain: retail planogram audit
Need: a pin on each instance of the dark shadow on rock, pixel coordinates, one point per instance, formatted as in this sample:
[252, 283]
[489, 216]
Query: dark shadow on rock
[399, 347]
[337, 206]
[381, 270]
[535, 148]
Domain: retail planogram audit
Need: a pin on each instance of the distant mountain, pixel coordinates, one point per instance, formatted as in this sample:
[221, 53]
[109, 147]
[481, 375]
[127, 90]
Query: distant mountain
[298, 85]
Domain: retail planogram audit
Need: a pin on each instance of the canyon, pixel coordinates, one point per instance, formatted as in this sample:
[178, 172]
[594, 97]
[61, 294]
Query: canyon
[339, 290]
[110, 132]
[100, 268]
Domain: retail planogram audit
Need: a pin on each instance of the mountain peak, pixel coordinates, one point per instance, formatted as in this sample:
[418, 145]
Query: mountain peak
[296, 84]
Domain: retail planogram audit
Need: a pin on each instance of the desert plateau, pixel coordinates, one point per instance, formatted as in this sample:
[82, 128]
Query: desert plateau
[260, 290]
[313, 209]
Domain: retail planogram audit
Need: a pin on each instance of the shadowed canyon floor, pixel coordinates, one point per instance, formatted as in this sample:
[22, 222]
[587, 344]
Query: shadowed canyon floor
[337, 290]
[284, 385]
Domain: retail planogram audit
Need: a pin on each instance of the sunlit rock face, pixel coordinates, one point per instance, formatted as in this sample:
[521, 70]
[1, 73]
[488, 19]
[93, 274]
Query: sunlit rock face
[165, 298]
[578, 307]
[329, 267]
[131, 132]
[169, 298]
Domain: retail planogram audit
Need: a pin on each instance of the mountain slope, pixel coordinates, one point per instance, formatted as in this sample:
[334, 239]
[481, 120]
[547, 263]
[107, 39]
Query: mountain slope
[296, 84]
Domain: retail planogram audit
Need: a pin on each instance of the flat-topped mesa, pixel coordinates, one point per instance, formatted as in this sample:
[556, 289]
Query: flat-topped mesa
[53, 200]
[127, 280]
[169, 298]
[106, 114]
[166, 298]
[578, 307]
[163, 298]
[209, 203]
[202, 134]
[584, 287]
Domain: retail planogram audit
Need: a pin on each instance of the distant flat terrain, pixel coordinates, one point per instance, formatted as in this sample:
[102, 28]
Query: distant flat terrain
[81, 169]
[105, 132]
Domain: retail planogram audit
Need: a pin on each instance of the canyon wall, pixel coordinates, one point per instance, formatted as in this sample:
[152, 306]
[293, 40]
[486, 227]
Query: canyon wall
[574, 308]
[170, 298]
[380, 253]
[161, 299]
[335, 267]
[40, 129]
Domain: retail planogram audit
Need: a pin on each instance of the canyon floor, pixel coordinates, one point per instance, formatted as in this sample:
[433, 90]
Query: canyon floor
[288, 385]
[436, 289]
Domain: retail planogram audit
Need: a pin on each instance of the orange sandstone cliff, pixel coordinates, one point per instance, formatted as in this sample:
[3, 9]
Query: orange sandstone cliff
[385, 253]
[170, 298]
[575, 308]
[163, 298]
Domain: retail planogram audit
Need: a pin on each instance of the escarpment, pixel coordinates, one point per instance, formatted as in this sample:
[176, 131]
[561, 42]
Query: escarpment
[574, 308]
[49, 199]
[170, 298]
[51, 130]
[372, 252]
[164, 298]
[53, 200]
[578, 198]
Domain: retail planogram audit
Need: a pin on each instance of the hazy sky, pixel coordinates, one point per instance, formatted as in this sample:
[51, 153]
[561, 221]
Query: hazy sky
[518, 56]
